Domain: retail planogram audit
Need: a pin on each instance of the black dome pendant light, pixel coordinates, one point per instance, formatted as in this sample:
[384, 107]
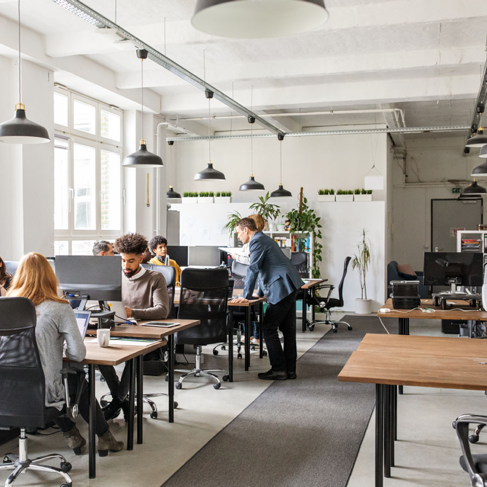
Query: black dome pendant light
[473, 190]
[20, 130]
[142, 158]
[171, 194]
[477, 140]
[280, 192]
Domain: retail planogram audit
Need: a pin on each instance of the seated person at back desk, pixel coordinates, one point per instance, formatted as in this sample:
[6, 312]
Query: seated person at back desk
[144, 295]
[158, 246]
[102, 247]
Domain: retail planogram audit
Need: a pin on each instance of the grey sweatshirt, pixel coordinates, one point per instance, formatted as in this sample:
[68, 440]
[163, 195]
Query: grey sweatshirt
[146, 295]
[56, 325]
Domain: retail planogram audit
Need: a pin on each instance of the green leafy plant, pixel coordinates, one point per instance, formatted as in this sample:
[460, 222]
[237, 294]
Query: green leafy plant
[340, 192]
[185, 194]
[304, 219]
[212, 194]
[327, 191]
[193, 195]
[357, 191]
[233, 219]
[349, 191]
[264, 209]
[321, 191]
[332, 191]
[369, 191]
[363, 191]
[219, 194]
[229, 194]
[361, 262]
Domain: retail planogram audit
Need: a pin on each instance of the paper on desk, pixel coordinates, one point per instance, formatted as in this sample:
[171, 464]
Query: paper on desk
[143, 342]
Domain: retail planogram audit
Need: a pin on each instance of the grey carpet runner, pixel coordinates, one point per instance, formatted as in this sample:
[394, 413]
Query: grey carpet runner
[305, 432]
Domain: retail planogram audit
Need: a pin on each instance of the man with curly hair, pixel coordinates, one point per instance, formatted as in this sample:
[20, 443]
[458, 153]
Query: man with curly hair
[144, 295]
[158, 246]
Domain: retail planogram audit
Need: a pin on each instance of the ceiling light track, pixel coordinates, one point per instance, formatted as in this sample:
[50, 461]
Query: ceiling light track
[95, 18]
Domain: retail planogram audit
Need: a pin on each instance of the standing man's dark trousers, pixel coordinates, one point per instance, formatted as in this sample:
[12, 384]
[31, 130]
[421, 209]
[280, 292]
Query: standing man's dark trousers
[281, 316]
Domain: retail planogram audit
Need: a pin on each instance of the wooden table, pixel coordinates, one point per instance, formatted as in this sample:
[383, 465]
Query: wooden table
[115, 355]
[388, 361]
[308, 288]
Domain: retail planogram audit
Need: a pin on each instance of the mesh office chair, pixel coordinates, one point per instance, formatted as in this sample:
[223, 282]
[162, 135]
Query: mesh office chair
[22, 387]
[328, 303]
[204, 296]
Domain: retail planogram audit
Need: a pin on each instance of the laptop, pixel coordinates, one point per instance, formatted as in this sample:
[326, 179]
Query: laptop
[82, 320]
[120, 313]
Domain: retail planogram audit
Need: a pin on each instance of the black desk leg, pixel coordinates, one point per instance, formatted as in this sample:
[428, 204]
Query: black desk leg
[313, 293]
[393, 436]
[130, 428]
[403, 330]
[140, 398]
[248, 324]
[170, 379]
[305, 309]
[387, 431]
[261, 336]
[92, 417]
[230, 344]
[379, 436]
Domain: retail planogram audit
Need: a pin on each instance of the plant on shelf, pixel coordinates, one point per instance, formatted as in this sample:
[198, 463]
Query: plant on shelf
[219, 194]
[369, 191]
[211, 194]
[304, 219]
[233, 219]
[363, 191]
[185, 194]
[332, 191]
[265, 209]
[340, 192]
[357, 191]
[349, 192]
[361, 261]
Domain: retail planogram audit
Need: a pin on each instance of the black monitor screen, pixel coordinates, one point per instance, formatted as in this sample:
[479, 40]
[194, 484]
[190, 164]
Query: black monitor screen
[178, 253]
[464, 268]
[98, 277]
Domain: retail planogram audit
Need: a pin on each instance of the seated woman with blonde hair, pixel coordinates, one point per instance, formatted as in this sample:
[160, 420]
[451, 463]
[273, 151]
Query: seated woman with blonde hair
[56, 326]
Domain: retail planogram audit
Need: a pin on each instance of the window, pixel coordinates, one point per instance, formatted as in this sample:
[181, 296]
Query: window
[88, 173]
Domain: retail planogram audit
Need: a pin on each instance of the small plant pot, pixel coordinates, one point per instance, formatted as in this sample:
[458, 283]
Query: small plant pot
[272, 226]
[280, 227]
[363, 197]
[205, 199]
[190, 201]
[223, 199]
[326, 197]
[344, 197]
[362, 306]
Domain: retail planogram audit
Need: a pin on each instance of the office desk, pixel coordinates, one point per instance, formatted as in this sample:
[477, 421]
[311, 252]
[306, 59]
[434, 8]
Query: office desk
[388, 360]
[309, 288]
[115, 355]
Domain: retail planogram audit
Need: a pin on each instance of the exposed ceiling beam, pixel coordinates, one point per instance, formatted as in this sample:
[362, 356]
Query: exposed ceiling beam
[92, 16]
[480, 102]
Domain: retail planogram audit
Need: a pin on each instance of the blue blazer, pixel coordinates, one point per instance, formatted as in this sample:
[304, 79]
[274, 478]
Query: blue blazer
[276, 276]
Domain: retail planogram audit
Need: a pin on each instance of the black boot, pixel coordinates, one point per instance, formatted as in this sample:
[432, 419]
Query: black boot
[273, 375]
[113, 409]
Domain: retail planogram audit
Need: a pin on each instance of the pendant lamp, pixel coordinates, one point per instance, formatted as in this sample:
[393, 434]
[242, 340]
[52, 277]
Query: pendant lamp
[20, 130]
[252, 184]
[483, 151]
[477, 140]
[254, 19]
[142, 158]
[280, 192]
[473, 190]
[209, 174]
[480, 170]
[171, 194]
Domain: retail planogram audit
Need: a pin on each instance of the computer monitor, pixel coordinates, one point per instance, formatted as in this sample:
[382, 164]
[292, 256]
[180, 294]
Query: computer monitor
[204, 256]
[453, 269]
[178, 253]
[99, 278]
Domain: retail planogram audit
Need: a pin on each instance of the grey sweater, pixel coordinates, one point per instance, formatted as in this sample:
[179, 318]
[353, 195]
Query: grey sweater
[146, 296]
[56, 325]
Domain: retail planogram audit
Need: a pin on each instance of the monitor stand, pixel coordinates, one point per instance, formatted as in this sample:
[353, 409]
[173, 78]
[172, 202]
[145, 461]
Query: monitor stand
[105, 318]
[441, 299]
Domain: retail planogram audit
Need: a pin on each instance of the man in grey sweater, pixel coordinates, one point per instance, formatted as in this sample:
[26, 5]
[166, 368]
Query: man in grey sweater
[144, 295]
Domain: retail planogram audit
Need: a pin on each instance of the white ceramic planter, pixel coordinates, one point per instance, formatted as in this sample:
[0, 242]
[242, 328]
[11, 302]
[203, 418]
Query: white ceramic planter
[223, 199]
[344, 197]
[191, 201]
[205, 199]
[363, 197]
[280, 227]
[326, 197]
[362, 306]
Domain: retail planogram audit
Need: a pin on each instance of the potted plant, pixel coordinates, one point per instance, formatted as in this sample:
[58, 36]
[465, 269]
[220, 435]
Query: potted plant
[343, 195]
[363, 195]
[266, 210]
[206, 197]
[326, 195]
[189, 197]
[223, 197]
[361, 262]
[233, 219]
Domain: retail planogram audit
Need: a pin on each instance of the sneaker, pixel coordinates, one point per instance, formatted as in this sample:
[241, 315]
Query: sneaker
[273, 375]
[108, 442]
[75, 441]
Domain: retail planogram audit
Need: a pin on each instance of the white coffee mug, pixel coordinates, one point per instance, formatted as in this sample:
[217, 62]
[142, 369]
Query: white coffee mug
[103, 335]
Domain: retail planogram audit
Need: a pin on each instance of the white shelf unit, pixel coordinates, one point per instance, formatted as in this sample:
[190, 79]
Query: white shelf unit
[288, 235]
[473, 234]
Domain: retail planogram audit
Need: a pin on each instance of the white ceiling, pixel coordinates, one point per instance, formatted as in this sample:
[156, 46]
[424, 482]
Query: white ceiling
[423, 57]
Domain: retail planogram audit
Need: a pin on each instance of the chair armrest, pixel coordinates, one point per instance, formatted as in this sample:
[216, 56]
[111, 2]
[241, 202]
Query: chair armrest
[461, 425]
[72, 408]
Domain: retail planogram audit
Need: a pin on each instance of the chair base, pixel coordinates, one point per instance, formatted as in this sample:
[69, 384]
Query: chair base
[328, 321]
[198, 372]
[21, 463]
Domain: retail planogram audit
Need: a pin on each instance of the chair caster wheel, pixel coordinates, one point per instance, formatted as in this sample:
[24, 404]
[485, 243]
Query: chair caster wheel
[215, 352]
[264, 354]
[473, 438]
[217, 386]
[223, 347]
[179, 385]
[225, 378]
[350, 328]
[334, 330]
[7, 459]
[153, 415]
[166, 378]
[104, 403]
[66, 467]
[66, 485]
[239, 355]
[176, 405]
[311, 327]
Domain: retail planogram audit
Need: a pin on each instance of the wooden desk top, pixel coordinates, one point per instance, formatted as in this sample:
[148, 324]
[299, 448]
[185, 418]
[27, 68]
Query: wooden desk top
[312, 283]
[394, 368]
[438, 314]
[424, 345]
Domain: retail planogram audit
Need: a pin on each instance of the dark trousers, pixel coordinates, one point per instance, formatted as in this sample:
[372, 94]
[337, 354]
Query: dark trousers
[281, 316]
[66, 424]
[118, 388]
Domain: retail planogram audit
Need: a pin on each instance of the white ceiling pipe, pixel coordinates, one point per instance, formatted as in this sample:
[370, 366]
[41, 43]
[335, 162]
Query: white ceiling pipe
[159, 142]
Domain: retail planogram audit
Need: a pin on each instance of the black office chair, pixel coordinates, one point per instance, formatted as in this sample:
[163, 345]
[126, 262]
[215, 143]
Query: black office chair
[328, 303]
[300, 261]
[474, 465]
[204, 296]
[22, 387]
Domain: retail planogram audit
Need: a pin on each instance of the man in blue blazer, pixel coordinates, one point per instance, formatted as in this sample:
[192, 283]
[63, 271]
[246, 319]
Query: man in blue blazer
[279, 281]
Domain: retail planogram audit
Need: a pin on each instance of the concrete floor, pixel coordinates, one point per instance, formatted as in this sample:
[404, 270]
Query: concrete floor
[426, 454]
